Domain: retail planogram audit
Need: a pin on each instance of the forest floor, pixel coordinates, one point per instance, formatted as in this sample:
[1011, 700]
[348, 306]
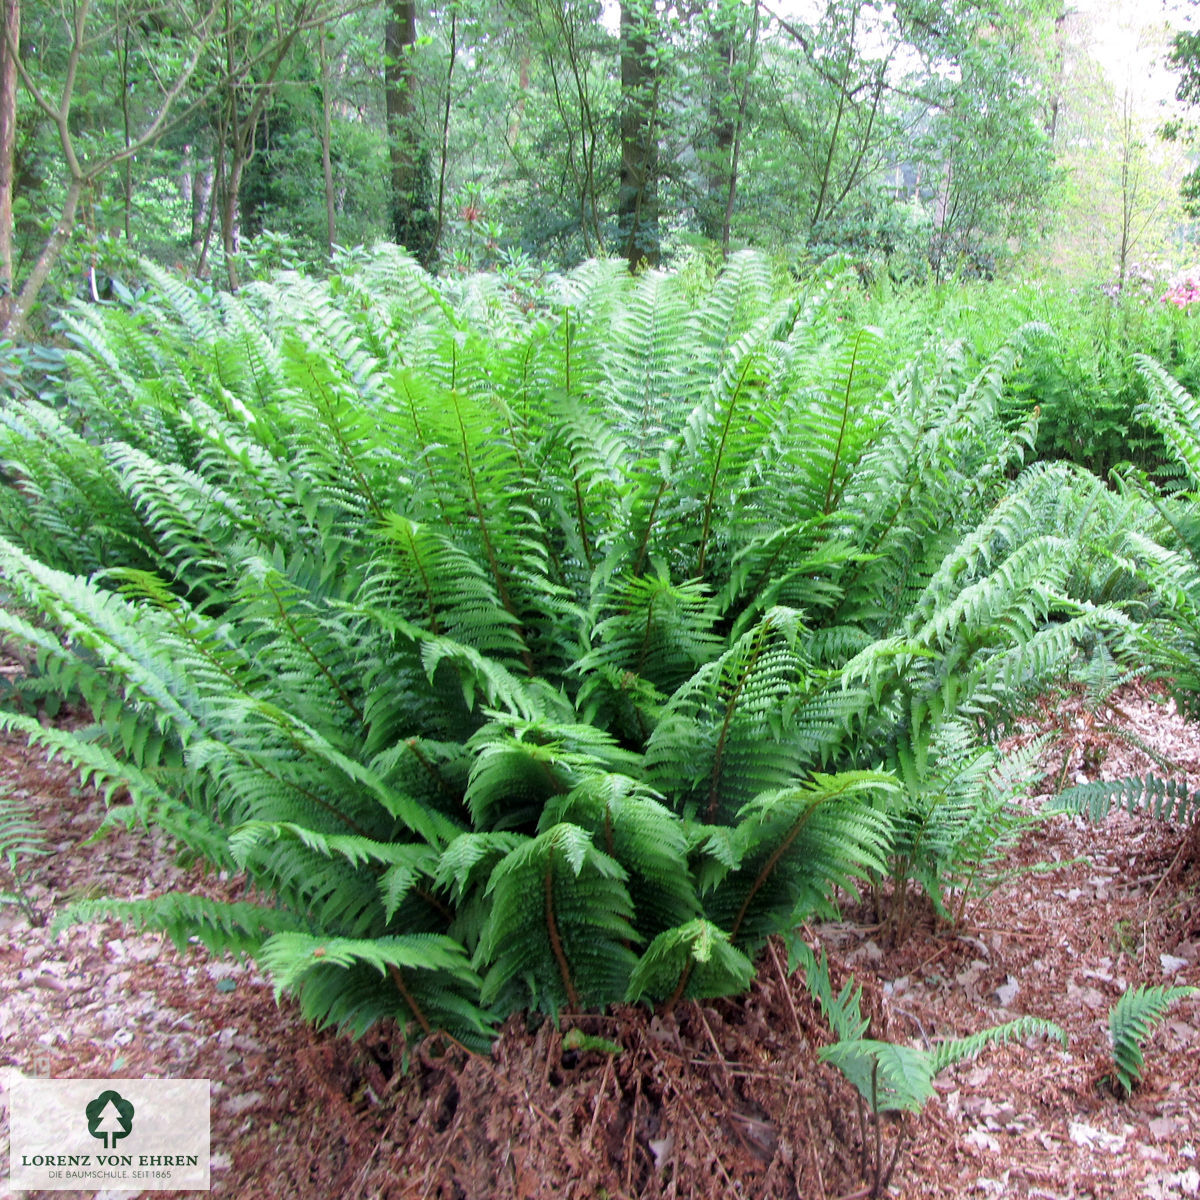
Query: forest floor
[723, 1099]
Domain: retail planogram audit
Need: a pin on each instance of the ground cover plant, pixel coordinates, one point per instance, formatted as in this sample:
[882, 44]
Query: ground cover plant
[540, 657]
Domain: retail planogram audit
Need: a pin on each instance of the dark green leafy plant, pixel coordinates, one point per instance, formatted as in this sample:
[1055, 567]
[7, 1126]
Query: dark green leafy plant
[532, 659]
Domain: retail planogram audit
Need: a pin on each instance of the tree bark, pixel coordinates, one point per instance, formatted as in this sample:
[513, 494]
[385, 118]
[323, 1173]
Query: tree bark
[200, 184]
[441, 196]
[412, 223]
[637, 196]
[8, 130]
[23, 306]
[723, 31]
[326, 152]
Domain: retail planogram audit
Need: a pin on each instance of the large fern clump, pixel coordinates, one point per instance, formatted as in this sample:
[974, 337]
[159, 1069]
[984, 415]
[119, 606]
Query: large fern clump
[533, 659]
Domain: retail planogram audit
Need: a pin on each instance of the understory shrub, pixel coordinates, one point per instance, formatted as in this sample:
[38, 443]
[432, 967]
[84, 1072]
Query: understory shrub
[536, 658]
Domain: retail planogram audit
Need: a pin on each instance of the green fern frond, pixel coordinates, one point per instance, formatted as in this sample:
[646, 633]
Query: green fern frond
[693, 961]
[1174, 412]
[1165, 799]
[843, 1011]
[1130, 1021]
[889, 1077]
[722, 738]
[352, 983]
[221, 926]
[800, 844]
[946, 1054]
[656, 629]
[559, 929]
[647, 838]
[894, 1078]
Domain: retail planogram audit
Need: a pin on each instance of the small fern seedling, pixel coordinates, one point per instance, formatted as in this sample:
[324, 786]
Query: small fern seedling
[890, 1077]
[1130, 1021]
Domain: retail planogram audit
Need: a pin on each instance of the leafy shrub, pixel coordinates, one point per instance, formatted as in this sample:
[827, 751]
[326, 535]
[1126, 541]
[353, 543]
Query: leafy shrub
[531, 658]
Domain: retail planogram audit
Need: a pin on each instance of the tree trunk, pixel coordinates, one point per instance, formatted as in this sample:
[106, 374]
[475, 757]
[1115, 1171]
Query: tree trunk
[8, 130]
[723, 31]
[412, 222]
[440, 222]
[201, 190]
[229, 217]
[326, 152]
[19, 316]
[735, 148]
[637, 196]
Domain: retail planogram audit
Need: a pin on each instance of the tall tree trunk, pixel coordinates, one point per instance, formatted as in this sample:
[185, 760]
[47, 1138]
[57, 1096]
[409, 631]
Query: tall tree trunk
[229, 217]
[52, 248]
[412, 222]
[201, 190]
[637, 196]
[723, 31]
[326, 152]
[8, 130]
[441, 195]
[127, 165]
[735, 148]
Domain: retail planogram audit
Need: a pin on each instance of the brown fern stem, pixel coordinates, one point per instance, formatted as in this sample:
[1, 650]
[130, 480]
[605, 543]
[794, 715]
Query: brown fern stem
[290, 625]
[641, 662]
[556, 945]
[347, 454]
[413, 1007]
[644, 548]
[416, 557]
[677, 995]
[769, 866]
[430, 769]
[837, 454]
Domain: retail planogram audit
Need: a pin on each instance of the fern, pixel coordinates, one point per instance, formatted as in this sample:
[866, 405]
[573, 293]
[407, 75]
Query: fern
[1130, 1021]
[220, 926]
[895, 1078]
[552, 658]
[335, 979]
[1165, 799]
[20, 840]
[694, 960]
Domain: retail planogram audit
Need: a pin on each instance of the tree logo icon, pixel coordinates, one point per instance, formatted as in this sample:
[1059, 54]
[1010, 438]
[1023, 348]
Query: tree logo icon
[109, 1117]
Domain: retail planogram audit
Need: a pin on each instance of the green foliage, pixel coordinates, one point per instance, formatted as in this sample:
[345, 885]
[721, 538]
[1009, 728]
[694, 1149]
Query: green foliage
[538, 658]
[20, 840]
[1165, 799]
[891, 1077]
[1130, 1021]
[1172, 567]
[894, 1078]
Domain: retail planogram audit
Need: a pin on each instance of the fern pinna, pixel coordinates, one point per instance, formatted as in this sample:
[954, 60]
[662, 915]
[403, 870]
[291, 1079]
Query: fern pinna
[528, 659]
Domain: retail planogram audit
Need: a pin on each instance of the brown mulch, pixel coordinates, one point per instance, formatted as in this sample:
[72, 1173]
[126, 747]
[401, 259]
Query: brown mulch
[724, 1098]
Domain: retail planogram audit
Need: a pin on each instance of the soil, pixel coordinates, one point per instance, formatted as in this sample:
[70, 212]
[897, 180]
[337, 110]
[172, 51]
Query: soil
[721, 1099]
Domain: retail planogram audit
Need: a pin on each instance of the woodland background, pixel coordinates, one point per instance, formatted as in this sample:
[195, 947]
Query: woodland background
[920, 139]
